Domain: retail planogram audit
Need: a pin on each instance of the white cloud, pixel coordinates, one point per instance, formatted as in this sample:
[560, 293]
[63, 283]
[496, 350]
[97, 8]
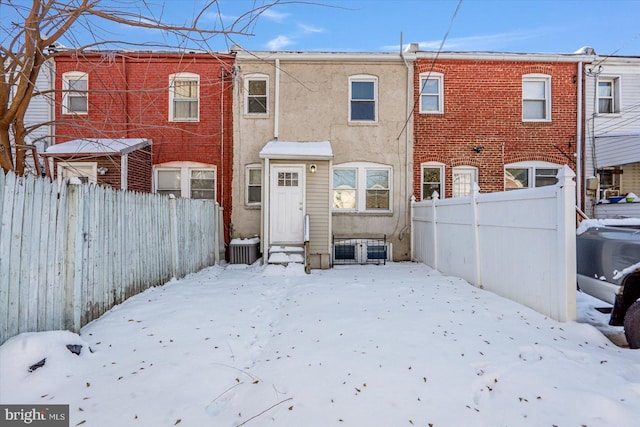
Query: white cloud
[274, 16]
[309, 29]
[485, 42]
[279, 42]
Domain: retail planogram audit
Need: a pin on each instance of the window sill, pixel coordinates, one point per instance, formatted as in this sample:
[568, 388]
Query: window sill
[441, 113]
[535, 121]
[256, 115]
[609, 115]
[363, 123]
[253, 207]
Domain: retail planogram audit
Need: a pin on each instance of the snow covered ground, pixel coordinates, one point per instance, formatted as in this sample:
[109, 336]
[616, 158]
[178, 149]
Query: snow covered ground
[394, 345]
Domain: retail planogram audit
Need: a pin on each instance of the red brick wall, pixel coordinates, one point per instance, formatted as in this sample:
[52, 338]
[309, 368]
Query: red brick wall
[483, 107]
[129, 98]
[139, 171]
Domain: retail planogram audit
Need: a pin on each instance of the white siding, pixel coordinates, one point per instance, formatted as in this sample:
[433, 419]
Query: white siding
[613, 139]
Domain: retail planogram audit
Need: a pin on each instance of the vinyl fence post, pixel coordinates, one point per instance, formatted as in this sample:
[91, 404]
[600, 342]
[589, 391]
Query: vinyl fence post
[434, 215]
[476, 234]
[216, 234]
[73, 256]
[173, 232]
[413, 227]
[566, 245]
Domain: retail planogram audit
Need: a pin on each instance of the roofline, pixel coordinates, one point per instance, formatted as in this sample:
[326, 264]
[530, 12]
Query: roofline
[247, 55]
[507, 56]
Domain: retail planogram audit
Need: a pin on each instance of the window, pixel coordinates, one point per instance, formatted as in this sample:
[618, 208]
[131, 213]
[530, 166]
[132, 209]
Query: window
[431, 93]
[463, 179]
[253, 178]
[186, 179]
[530, 175]
[344, 188]
[184, 97]
[86, 172]
[256, 90]
[362, 187]
[608, 96]
[536, 98]
[75, 97]
[377, 189]
[363, 95]
[432, 180]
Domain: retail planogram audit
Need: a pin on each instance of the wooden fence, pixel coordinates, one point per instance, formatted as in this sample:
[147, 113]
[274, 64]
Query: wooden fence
[70, 252]
[519, 244]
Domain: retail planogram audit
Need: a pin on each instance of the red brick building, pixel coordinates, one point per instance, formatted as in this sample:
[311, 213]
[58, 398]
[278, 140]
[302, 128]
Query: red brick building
[179, 101]
[503, 121]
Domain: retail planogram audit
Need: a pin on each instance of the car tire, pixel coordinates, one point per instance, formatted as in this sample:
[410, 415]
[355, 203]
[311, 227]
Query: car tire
[632, 325]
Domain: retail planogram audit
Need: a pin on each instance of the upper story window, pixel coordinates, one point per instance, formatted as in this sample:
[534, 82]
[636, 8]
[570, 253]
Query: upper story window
[361, 187]
[536, 98]
[184, 179]
[432, 180]
[75, 95]
[253, 179]
[431, 93]
[256, 89]
[363, 98]
[184, 97]
[530, 174]
[608, 95]
[463, 179]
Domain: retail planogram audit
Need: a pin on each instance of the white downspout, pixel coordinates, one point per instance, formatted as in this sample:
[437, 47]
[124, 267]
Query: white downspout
[406, 140]
[276, 107]
[579, 142]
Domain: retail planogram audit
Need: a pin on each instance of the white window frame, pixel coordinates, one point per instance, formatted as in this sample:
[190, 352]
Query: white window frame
[248, 169]
[364, 78]
[531, 167]
[460, 171]
[247, 80]
[185, 169]
[432, 165]
[88, 170]
[173, 78]
[615, 94]
[439, 77]
[361, 169]
[537, 78]
[67, 94]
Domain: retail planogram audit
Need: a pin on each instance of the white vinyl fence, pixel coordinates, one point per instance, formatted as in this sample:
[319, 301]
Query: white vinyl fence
[69, 253]
[519, 244]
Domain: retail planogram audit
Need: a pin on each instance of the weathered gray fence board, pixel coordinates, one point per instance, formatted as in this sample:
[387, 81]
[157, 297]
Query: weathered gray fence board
[68, 253]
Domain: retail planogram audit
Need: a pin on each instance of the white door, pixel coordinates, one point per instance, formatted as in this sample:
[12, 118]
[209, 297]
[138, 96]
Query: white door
[287, 204]
[463, 180]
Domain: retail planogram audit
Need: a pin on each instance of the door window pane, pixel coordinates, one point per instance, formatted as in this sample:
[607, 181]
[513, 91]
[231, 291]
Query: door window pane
[287, 179]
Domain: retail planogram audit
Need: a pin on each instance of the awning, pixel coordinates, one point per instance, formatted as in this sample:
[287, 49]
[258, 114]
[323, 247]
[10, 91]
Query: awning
[617, 149]
[96, 147]
[286, 150]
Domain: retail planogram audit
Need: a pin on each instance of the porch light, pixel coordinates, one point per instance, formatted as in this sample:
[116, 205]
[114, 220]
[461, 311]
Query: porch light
[312, 168]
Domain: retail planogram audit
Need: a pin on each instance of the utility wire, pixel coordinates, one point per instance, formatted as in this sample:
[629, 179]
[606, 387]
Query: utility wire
[433, 63]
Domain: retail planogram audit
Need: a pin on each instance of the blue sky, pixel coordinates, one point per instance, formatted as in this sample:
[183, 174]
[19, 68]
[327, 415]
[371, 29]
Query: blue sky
[611, 26]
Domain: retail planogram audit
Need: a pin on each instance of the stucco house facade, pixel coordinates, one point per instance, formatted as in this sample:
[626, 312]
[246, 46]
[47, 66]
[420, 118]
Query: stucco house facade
[612, 145]
[325, 135]
[502, 121]
[178, 102]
